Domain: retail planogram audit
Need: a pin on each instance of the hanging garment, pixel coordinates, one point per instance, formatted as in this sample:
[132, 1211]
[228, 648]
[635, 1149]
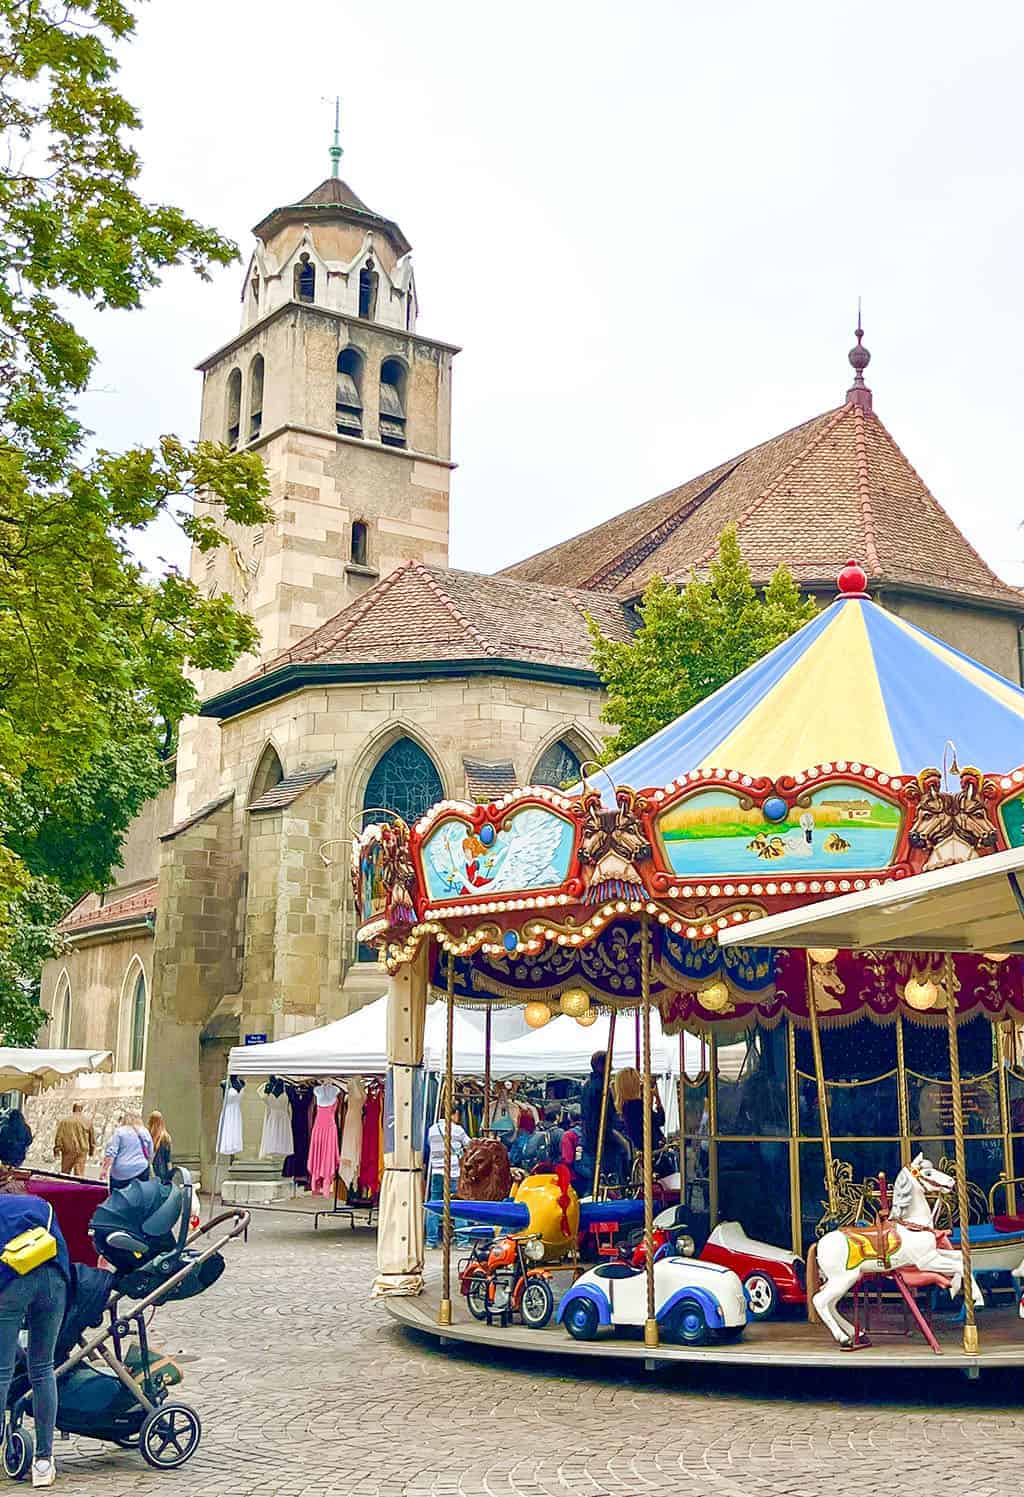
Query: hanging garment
[352, 1138]
[277, 1125]
[296, 1166]
[369, 1164]
[229, 1134]
[323, 1143]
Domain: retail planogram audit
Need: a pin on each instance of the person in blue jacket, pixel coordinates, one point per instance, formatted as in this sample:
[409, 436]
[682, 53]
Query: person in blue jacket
[36, 1299]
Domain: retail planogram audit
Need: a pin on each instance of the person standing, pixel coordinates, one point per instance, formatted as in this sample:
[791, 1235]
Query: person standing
[162, 1165]
[615, 1148]
[129, 1152]
[628, 1091]
[435, 1167]
[74, 1142]
[37, 1299]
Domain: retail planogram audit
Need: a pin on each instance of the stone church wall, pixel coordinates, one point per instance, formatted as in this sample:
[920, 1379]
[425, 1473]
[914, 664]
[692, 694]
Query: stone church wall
[103, 1099]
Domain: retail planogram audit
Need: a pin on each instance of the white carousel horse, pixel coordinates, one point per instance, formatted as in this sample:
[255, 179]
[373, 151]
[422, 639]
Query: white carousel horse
[909, 1241]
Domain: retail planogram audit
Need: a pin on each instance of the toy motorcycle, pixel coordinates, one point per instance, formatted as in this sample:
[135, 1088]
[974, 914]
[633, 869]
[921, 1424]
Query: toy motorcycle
[501, 1278]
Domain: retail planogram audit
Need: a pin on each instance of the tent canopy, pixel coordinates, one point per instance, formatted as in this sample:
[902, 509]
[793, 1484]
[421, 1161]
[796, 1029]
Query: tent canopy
[856, 684]
[32, 1071]
[971, 907]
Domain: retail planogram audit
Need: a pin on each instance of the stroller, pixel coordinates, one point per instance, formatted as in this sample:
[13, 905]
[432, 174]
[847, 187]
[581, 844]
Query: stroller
[110, 1384]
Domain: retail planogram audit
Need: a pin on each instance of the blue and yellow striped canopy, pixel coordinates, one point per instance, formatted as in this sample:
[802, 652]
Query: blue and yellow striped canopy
[856, 683]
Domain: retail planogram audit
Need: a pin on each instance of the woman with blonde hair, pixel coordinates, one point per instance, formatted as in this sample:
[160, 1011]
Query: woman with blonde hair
[629, 1103]
[161, 1147]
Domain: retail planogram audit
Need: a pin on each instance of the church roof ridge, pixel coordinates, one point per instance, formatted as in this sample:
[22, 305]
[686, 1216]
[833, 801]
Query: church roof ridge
[331, 197]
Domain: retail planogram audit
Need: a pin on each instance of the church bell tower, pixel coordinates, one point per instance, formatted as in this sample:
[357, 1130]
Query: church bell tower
[350, 409]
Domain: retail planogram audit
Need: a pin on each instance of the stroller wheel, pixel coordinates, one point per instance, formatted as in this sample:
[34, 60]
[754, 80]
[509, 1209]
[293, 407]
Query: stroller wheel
[19, 1453]
[169, 1436]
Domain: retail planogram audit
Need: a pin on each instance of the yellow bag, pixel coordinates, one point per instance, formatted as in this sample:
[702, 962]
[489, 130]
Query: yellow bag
[30, 1249]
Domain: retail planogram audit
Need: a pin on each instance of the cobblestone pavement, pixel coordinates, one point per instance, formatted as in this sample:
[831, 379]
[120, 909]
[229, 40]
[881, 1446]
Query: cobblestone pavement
[307, 1389]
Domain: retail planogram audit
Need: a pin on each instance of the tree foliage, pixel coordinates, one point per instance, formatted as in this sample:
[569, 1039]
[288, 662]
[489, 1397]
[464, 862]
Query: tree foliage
[691, 641]
[95, 654]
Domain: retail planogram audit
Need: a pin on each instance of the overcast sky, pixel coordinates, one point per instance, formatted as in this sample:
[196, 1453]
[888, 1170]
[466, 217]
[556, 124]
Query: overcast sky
[646, 224]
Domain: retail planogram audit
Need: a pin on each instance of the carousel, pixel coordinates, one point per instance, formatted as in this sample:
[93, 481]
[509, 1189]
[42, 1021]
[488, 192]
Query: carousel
[775, 868]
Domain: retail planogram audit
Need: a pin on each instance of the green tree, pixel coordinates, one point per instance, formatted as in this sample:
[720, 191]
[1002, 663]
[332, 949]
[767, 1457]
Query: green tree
[691, 641]
[95, 655]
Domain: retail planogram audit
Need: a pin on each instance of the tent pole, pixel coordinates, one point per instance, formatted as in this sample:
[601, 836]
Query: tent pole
[963, 1203]
[216, 1155]
[819, 1077]
[651, 1323]
[444, 1314]
[605, 1084]
[487, 1069]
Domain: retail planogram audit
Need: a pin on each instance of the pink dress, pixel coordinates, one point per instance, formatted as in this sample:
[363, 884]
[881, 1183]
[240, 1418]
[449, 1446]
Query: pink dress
[323, 1142]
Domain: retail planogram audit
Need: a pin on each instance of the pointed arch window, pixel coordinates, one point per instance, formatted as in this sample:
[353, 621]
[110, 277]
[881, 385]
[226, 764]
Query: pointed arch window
[269, 772]
[404, 781]
[368, 291]
[233, 423]
[349, 396]
[558, 766]
[392, 403]
[255, 397]
[60, 1024]
[305, 279]
[137, 1020]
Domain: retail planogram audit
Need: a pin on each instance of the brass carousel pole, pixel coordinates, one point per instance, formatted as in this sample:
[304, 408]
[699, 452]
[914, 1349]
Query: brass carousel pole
[819, 1077]
[712, 1085]
[444, 1314]
[682, 1117]
[605, 1084]
[796, 1226]
[487, 1068]
[1003, 1036]
[963, 1203]
[651, 1323]
[902, 1094]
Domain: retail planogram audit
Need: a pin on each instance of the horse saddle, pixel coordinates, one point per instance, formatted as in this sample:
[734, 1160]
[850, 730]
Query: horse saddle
[870, 1245]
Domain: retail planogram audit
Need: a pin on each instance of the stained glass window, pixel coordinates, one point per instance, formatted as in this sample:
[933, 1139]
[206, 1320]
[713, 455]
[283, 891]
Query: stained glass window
[404, 781]
[558, 766]
[138, 1032]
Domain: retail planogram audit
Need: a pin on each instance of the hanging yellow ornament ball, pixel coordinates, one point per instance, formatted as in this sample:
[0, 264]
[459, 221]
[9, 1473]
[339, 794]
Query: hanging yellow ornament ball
[575, 1002]
[996, 956]
[921, 995]
[585, 1020]
[536, 1015]
[715, 997]
[822, 954]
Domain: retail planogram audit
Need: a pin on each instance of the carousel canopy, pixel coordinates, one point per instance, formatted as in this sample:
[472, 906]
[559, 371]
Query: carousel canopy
[971, 907]
[855, 684]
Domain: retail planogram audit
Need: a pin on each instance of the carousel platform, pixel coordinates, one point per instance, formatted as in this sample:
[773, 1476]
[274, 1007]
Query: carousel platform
[775, 1343]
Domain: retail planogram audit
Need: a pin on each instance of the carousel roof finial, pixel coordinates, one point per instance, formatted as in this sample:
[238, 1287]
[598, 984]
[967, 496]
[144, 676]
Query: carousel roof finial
[852, 581]
[860, 358]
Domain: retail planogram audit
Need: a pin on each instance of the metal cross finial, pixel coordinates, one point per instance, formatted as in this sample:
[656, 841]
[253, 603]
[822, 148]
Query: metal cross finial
[335, 152]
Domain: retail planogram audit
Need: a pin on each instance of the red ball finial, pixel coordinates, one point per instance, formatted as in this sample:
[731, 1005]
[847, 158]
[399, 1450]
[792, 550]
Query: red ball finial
[852, 581]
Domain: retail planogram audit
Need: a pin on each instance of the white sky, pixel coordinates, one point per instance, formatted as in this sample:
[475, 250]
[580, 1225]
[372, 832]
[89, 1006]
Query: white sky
[646, 224]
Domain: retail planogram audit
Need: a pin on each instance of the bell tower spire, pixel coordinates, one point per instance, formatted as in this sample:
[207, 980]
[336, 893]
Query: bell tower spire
[335, 152]
[858, 393]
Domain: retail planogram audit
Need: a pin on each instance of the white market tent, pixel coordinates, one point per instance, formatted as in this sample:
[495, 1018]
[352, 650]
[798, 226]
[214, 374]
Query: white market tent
[357, 1046]
[32, 1071]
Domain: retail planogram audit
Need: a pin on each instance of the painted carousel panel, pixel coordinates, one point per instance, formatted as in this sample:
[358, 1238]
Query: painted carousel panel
[838, 826]
[531, 849]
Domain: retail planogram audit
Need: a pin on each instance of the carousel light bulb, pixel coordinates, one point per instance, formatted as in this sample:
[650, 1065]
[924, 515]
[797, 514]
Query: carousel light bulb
[585, 1020]
[921, 995]
[574, 1002]
[715, 997]
[997, 956]
[536, 1015]
[822, 954]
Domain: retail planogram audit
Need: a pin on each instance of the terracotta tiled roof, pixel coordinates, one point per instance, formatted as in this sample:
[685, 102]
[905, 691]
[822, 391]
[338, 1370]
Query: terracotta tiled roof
[438, 613]
[836, 487]
[131, 907]
[288, 790]
[197, 816]
[333, 191]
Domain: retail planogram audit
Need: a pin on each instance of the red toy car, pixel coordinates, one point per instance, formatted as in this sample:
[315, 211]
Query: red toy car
[771, 1275]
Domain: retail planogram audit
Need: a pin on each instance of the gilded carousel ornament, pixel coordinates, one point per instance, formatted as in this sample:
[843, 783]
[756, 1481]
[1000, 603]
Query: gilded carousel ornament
[952, 827]
[613, 842]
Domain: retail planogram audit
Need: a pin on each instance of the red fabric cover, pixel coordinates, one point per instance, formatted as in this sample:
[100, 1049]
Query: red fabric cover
[73, 1202]
[1009, 1223]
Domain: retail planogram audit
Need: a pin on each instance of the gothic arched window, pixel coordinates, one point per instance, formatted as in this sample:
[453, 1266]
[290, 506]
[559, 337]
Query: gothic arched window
[348, 399]
[557, 766]
[405, 782]
[60, 1022]
[234, 407]
[137, 1033]
[358, 547]
[255, 397]
[392, 403]
[269, 772]
[305, 279]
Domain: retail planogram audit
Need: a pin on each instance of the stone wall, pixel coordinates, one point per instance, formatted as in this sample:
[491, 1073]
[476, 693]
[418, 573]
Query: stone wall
[103, 1099]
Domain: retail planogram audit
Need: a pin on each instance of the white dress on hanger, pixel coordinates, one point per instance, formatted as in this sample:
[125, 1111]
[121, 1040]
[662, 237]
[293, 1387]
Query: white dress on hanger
[229, 1134]
[277, 1124]
[352, 1133]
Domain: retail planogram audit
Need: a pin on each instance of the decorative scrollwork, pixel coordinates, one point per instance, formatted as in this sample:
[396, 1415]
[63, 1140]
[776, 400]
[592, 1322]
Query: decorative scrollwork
[947, 1214]
[849, 1197]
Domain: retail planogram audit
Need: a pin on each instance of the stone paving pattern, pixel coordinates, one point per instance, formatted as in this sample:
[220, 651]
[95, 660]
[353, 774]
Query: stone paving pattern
[307, 1389]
